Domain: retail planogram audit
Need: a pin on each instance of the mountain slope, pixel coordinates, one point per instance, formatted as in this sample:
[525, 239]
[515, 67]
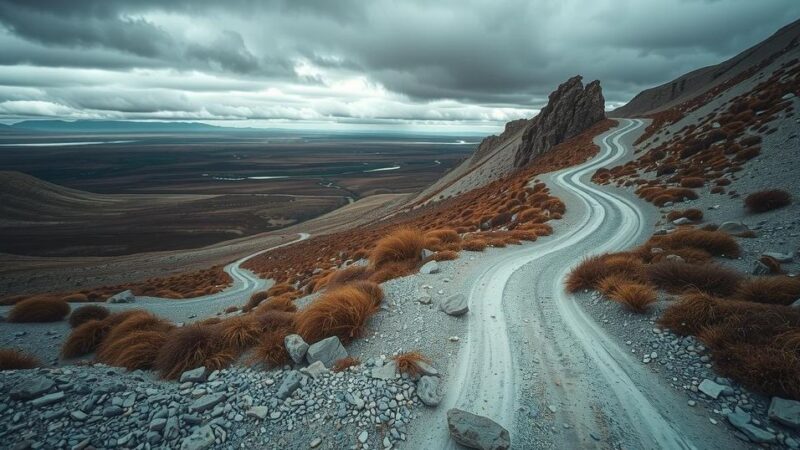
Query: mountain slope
[701, 80]
[571, 110]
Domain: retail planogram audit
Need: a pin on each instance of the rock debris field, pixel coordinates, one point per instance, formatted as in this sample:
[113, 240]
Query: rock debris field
[368, 406]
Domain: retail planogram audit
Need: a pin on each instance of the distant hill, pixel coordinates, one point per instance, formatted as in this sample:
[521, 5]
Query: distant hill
[702, 80]
[115, 126]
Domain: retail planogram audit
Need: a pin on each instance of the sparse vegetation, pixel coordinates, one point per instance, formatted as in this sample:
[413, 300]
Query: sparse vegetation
[342, 311]
[777, 290]
[408, 363]
[635, 296]
[11, 359]
[676, 277]
[86, 313]
[768, 200]
[190, 347]
[271, 349]
[39, 309]
[345, 363]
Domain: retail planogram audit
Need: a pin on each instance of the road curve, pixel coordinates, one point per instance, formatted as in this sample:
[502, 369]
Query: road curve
[244, 284]
[531, 347]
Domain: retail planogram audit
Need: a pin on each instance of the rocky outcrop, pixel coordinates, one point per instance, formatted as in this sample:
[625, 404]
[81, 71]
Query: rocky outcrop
[570, 110]
[489, 143]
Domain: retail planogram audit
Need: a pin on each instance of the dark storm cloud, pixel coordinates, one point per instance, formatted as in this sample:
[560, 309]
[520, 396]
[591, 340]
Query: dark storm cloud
[384, 59]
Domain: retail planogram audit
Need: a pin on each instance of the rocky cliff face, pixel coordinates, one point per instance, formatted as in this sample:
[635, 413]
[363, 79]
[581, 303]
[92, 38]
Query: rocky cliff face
[490, 143]
[571, 109]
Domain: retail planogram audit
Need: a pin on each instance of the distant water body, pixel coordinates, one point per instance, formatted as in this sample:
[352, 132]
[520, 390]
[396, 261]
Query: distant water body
[279, 177]
[64, 144]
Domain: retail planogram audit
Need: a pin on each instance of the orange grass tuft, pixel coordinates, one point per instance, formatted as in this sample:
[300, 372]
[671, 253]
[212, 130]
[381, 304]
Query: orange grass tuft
[768, 200]
[341, 312]
[39, 310]
[191, 347]
[11, 359]
[408, 363]
[86, 313]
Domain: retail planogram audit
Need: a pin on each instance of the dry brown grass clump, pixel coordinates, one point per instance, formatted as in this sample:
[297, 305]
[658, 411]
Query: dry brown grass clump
[75, 298]
[777, 290]
[348, 274]
[475, 245]
[239, 333]
[271, 320]
[715, 242]
[635, 296]
[373, 291]
[676, 277]
[408, 363]
[271, 349]
[118, 349]
[280, 303]
[692, 214]
[345, 363]
[39, 310]
[693, 182]
[279, 289]
[768, 200]
[445, 255]
[11, 359]
[400, 246]
[255, 299]
[137, 349]
[191, 347]
[342, 312]
[85, 338]
[592, 270]
[86, 313]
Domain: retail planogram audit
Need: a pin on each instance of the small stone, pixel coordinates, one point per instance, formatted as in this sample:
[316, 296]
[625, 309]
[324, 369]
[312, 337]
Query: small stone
[328, 351]
[296, 347]
[428, 390]
[315, 370]
[425, 299]
[290, 384]
[711, 388]
[785, 411]
[429, 268]
[112, 411]
[362, 437]
[202, 439]
[122, 297]
[207, 402]
[315, 442]
[197, 375]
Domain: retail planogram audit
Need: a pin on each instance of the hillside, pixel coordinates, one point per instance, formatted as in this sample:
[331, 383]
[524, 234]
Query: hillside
[571, 109]
[44, 219]
[702, 80]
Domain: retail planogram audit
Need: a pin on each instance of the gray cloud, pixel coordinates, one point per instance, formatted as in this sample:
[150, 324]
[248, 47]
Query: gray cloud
[456, 60]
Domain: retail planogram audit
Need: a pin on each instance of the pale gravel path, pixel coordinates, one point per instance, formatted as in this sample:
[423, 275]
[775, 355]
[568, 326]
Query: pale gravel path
[530, 346]
[44, 339]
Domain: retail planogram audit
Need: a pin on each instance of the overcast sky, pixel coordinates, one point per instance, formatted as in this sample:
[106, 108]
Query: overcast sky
[464, 63]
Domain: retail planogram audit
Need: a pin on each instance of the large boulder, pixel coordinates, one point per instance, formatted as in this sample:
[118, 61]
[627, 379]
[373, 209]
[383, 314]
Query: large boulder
[473, 431]
[455, 305]
[122, 297]
[570, 110]
[328, 351]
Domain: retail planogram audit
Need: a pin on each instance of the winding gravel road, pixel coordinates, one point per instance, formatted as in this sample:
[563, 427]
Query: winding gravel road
[532, 353]
[244, 284]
